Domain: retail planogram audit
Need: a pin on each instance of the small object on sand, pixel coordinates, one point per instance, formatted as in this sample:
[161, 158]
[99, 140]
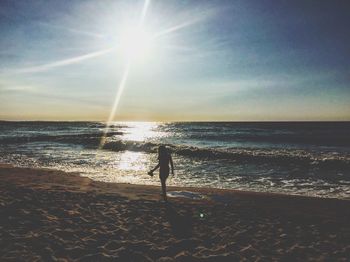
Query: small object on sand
[150, 173]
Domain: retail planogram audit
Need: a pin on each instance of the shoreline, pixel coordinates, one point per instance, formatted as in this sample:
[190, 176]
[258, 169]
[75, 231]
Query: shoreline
[203, 190]
[52, 215]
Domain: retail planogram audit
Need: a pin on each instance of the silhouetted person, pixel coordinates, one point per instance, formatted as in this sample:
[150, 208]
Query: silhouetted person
[164, 159]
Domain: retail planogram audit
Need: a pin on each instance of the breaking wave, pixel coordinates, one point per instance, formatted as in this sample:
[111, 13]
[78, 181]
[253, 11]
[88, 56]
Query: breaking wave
[237, 154]
[83, 139]
[267, 155]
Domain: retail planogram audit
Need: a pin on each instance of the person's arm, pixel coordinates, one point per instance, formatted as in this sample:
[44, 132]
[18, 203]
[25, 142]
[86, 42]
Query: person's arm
[154, 169]
[172, 165]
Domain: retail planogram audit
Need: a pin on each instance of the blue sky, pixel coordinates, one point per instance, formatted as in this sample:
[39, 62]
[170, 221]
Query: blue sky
[215, 60]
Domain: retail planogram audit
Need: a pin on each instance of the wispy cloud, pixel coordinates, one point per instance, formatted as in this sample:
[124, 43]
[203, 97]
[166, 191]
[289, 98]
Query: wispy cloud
[7, 88]
[60, 63]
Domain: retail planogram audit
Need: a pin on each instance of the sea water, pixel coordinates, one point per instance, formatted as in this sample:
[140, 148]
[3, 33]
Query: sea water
[305, 158]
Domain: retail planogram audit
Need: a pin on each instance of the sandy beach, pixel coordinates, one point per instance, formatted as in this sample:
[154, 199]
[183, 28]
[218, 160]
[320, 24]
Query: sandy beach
[51, 215]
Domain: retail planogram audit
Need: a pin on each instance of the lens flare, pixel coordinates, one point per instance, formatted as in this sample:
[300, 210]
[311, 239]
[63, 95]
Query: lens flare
[123, 80]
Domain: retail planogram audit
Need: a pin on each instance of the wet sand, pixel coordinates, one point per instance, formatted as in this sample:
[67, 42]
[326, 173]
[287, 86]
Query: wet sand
[51, 215]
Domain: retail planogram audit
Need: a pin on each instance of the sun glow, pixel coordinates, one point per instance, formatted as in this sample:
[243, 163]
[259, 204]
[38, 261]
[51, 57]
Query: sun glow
[136, 43]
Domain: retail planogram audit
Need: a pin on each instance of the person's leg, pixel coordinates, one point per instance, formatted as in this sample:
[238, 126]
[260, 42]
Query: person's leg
[163, 180]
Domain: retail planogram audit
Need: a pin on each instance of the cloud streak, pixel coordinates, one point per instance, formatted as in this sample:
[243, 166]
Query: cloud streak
[60, 63]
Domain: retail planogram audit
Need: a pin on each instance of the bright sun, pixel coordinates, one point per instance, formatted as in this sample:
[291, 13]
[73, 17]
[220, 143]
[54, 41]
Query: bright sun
[136, 43]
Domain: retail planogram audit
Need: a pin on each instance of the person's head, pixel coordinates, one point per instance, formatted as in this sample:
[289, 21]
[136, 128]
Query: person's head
[162, 150]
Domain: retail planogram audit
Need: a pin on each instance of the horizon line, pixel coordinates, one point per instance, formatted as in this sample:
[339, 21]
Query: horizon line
[181, 121]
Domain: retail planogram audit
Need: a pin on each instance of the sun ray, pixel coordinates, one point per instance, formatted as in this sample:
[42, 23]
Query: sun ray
[69, 61]
[186, 23]
[122, 82]
[175, 28]
[144, 12]
[116, 102]
[131, 48]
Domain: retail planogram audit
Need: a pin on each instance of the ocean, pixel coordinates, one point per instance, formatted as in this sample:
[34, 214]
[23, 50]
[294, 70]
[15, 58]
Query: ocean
[303, 158]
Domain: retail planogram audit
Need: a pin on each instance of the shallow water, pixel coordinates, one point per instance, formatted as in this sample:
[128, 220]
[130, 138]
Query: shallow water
[296, 158]
[185, 194]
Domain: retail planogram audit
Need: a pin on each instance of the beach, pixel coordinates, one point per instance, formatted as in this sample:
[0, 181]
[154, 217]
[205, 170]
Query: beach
[52, 215]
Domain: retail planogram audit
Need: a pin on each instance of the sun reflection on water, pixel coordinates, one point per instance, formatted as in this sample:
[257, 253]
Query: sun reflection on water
[141, 131]
[126, 165]
[132, 161]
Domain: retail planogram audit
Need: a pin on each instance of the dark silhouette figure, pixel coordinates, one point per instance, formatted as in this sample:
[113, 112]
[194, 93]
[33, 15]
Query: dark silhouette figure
[164, 159]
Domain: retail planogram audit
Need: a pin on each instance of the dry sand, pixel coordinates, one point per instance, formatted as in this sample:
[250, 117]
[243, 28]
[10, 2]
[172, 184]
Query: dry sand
[51, 215]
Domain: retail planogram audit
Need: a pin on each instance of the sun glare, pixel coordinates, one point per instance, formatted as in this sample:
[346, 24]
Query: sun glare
[140, 131]
[136, 43]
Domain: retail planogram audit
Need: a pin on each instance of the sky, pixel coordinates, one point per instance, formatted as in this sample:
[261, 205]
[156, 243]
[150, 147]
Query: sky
[184, 60]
